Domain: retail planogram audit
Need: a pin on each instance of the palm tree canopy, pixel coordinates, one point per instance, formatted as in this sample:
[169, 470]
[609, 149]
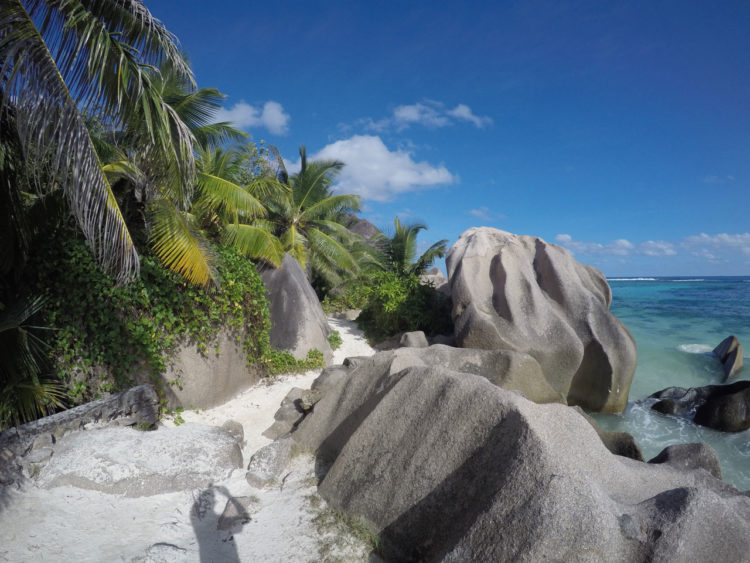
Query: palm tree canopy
[59, 59]
[309, 219]
[401, 249]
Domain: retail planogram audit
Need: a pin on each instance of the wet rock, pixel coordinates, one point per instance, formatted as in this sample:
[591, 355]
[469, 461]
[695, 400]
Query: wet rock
[619, 443]
[729, 352]
[721, 407]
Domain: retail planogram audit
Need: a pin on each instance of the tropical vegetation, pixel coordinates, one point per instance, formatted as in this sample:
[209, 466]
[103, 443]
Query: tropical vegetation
[131, 219]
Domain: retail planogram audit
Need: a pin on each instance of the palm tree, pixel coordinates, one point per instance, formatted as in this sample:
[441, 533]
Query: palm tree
[148, 182]
[229, 204]
[310, 220]
[400, 251]
[61, 60]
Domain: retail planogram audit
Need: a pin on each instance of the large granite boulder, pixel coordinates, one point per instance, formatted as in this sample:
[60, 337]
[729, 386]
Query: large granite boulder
[510, 370]
[521, 293]
[729, 352]
[298, 323]
[448, 467]
[721, 407]
[203, 379]
[134, 463]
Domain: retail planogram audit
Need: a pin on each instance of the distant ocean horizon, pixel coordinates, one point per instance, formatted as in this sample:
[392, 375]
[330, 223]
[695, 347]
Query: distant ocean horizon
[677, 321]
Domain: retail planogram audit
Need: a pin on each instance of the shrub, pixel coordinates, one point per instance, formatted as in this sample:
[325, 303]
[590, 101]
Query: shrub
[104, 332]
[400, 303]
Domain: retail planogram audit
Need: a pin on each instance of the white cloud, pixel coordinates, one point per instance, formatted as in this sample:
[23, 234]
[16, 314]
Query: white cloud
[657, 248]
[703, 244]
[716, 179]
[374, 172]
[484, 213]
[244, 116]
[462, 111]
[619, 247]
[429, 113]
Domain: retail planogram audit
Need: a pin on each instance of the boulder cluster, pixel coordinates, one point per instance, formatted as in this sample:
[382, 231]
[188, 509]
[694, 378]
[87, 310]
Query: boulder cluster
[481, 452]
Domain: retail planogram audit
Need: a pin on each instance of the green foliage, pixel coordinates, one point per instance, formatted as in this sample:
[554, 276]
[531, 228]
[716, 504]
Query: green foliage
[106, 332]
[400, 303]
[334, 339]
[278, 361]
[352, 295]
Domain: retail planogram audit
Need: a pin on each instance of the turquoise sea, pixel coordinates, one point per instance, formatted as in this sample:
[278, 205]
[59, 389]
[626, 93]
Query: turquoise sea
[676, 323]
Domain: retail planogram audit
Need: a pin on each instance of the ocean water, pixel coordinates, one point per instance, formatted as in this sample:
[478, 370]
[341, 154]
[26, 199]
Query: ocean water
[676, 323]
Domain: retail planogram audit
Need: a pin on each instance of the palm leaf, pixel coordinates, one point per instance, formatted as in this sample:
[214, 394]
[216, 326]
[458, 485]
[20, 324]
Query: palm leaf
[179, 245]
[219, 193]
[329, 205]
[255, 242]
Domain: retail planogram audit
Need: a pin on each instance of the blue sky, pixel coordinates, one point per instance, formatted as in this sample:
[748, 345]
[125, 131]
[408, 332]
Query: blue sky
[620, 130]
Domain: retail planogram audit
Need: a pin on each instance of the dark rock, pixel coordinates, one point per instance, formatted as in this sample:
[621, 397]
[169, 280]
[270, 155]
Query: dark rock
[298, 323]
[729, 352]
[690, 456]
[521, 293]
[721, 407]
[415, 339]
[448, 467]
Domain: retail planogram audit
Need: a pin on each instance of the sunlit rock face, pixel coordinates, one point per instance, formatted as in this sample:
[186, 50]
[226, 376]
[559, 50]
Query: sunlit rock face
[524, 294]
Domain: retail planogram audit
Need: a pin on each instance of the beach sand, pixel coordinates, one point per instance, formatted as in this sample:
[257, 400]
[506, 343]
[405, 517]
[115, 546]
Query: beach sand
[288, 521]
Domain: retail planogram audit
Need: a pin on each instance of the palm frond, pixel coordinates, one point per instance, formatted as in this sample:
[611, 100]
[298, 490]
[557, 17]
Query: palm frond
[216, 134]
[179, 244]
[219, 193]
[435, 251]
[332, 204]
[255, 242]
[331, 249]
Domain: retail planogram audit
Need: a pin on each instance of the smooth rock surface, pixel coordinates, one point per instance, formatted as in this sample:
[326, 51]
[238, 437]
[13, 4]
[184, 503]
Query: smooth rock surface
[510, 370]
[267, 463]
[298, 323]
[619, 443]
[689, 457]
[415, 339]
[729, 351]
[523, 294]
[133, 463]
[201, 380]
[448, 467]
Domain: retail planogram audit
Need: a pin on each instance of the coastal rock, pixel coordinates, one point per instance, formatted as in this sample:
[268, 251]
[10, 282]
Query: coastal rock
[690, 456]
[729, 352]
[503, 368]
[298, 323]
[721, 407]
[268, 462]
[619, 443]
[436, 278]
[521, 293]
[203, 379]
[415, 339]
[448, 467]
[134, 463]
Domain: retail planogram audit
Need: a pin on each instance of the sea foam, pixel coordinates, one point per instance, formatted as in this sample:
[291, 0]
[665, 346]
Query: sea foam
[695, 348]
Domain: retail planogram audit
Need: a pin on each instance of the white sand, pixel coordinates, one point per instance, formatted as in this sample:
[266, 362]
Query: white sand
[68, 523]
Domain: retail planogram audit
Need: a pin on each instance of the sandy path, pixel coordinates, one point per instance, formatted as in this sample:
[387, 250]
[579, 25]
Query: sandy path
[288, 522]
